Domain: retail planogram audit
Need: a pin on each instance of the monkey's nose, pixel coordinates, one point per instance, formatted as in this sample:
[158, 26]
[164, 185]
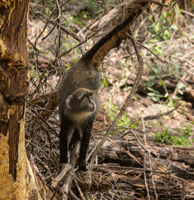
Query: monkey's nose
[92, 108]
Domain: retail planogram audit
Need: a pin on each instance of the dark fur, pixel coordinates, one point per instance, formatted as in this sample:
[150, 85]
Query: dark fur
[76, 123]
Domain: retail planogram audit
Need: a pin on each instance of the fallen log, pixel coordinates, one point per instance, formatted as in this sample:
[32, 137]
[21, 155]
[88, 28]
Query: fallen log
[115, 165]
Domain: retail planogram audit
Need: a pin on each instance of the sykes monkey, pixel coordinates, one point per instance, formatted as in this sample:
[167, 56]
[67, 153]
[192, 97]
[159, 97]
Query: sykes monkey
[78, 93]
[78, 105]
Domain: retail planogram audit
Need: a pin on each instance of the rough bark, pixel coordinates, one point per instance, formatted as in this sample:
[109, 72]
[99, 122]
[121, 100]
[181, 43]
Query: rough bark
[17, 180]
[111, 153]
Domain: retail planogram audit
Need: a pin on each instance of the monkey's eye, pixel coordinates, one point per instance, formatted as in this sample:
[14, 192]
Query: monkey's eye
[85, 98]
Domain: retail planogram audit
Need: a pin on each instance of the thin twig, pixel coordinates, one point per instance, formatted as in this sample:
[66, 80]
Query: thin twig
[188, 13]
[147, 49]
[79, 189]
[156, 2]
[123, 109]
[127, 152]
[130, 168]
[123, 133]
[145, 177]
[60, 176]
[184, 60]
[159, 114]
[73, 196]
[43, 96]
[58, 20]
[149, 158]
[161, 8]
[173, 17]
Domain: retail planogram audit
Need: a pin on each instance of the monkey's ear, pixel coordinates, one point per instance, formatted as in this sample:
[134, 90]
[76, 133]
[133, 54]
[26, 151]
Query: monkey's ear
[68, 100]
[80, 96]
[92, 92]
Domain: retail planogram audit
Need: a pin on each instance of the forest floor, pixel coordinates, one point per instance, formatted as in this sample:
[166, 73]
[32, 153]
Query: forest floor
[162, 113]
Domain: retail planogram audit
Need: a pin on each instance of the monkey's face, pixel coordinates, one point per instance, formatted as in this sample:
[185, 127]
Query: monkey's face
[85, 104]
[81, 104]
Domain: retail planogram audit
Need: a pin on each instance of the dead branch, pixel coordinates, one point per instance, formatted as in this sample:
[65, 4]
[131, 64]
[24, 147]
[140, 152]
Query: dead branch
[43, 96]
[150, 117]
[127, 103]
[61, 175]
[127, 152]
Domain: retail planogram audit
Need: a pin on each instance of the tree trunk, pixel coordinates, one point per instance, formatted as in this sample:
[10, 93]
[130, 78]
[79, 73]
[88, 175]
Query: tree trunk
[17, 180]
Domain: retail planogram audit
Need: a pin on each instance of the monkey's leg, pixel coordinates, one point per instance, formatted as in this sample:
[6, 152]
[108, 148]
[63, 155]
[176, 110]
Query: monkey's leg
[65, 136]
[75, 138]
[74, 147]
[86, 134]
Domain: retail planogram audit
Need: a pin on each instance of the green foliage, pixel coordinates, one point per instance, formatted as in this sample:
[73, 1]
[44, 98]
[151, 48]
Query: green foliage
[157, 47]
[106, 79]
[181, 139]
[154, 94]
[180, 86]
[104, 82]
[164, 137]
[33, 72]
[123, 123]
[157, 27]
[82, 17]
[157, 74]
[76, 19]
[111, 110]
[74, 60]
[125, 76]
[68, 66]
[157, 71]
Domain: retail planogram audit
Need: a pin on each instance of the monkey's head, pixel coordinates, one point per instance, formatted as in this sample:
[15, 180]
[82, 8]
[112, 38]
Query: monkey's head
[80, 103]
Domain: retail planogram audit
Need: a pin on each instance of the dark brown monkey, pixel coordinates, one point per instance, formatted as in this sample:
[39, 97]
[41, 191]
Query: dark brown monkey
[76, 125]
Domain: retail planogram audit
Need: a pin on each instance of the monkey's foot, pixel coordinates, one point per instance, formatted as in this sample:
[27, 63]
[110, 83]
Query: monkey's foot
[82, 166]
[63, 160]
